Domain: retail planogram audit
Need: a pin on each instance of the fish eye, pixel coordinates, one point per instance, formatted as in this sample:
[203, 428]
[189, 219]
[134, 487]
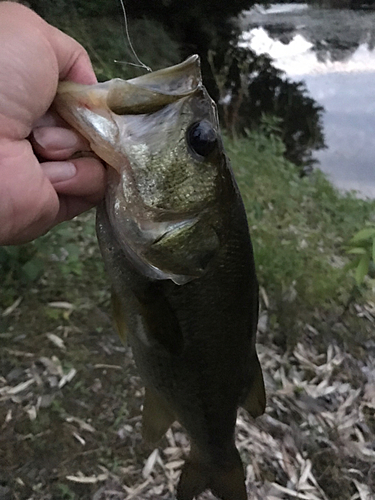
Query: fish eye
[202, 138]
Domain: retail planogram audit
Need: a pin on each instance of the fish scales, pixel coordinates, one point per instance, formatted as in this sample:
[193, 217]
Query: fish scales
[174, 238]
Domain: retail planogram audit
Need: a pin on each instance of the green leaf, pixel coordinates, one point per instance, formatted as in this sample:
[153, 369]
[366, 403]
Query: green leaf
[12, 252]
[362, 269]
[73, 250]
[4, 255]
[363, 234]
[350, 265]
[357, 251]
[373, 250]
[33, 269]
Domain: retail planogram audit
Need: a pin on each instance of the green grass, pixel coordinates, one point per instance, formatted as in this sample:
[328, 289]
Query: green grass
[106, 42]
[299, 228]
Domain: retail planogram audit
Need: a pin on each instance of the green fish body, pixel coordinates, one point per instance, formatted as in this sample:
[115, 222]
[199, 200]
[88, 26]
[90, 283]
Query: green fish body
[175, 241]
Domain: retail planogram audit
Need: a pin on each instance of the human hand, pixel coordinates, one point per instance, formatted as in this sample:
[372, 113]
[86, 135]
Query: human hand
[39, 186]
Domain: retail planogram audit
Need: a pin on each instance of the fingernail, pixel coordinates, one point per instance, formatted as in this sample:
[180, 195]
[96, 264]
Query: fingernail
[55, 138]
[58, 171]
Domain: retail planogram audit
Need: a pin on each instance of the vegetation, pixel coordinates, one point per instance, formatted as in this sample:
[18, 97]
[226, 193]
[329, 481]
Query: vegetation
[344, 4]
[250, 87]
[70, 396]
[194, 28]
[336, 4]
[362, 245]
[299, 229]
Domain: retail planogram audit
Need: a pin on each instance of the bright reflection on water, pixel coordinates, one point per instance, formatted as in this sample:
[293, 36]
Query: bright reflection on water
[333, 52]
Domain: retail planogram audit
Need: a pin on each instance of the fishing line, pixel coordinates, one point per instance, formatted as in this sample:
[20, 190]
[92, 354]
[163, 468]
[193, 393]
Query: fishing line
[140, 63]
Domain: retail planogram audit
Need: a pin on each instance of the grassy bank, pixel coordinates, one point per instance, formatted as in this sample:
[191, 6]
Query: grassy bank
[70, 396]
[300, 230]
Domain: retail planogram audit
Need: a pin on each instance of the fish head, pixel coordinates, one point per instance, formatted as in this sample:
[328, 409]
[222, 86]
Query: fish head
[160, 134]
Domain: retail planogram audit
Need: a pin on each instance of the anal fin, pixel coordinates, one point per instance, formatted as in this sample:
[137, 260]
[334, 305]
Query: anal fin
[255, 402]
[157, 417]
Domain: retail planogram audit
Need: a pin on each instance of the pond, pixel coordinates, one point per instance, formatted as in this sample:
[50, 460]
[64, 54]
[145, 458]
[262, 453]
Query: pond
[332, 51]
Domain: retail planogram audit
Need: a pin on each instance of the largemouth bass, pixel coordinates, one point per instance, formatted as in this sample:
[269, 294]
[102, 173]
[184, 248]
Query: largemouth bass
[175, 241]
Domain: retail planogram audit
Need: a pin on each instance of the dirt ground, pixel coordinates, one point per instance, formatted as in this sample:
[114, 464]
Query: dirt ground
[70, 408]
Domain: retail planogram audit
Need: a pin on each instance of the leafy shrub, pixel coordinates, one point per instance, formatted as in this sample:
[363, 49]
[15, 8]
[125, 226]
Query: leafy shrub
[101, 31]
[20, 263]
[67, 247]
[362, 247]
[299, 227]
[106, 43]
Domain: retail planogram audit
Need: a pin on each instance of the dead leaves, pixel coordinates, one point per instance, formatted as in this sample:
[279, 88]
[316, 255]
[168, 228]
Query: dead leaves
[316, 441]
[309, 400]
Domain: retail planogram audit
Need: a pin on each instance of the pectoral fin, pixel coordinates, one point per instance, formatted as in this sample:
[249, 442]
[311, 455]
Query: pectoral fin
[157, 417]
[255, 402]
[119, 316]
[162, 325]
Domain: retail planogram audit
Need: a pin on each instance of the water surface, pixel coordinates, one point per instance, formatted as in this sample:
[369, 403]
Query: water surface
[333, 52]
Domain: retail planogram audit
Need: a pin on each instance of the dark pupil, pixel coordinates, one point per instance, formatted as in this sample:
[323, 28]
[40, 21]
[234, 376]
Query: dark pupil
[202, 138]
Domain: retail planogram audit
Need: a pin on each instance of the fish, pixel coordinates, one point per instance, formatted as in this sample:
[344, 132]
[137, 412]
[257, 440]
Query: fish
[175, 241]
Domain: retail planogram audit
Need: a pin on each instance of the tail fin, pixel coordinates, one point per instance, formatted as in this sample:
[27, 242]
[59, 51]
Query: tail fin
[226, 481]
